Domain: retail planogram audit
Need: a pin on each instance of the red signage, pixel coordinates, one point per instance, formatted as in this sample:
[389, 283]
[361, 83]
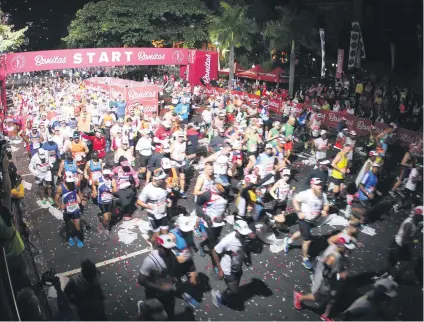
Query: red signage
[202, 67]
[82, 58]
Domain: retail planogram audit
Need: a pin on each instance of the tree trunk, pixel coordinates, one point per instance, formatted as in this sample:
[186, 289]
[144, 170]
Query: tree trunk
[231, 63]
[292, 69]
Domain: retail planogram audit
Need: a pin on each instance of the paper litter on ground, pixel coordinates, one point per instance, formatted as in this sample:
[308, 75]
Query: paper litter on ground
[41, 205]
[333, 220]
[369, 231]
[131, 224]
[27, 185]
[56, 213]
[126, 236]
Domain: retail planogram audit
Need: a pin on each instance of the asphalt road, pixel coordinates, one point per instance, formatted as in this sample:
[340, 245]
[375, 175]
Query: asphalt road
[268, 285]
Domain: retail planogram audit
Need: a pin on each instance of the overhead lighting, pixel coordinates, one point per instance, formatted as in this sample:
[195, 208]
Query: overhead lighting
[253, 66]
[313, 59]
[332, 65]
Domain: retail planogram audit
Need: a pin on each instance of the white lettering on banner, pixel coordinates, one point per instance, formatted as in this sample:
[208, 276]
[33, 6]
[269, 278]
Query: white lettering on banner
[407, 138]
[40, 60]
[77, 58]
[114, 93]
[149, 108]
[103, 57]
[207, 76]
[90, 57]
[143, 56]
[333, 118]
[133, 94]
[274, 104]
[361, 126]
[116, 56]
[128, 54]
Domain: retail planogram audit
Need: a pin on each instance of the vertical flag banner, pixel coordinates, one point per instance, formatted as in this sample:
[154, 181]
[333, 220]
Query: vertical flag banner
[353, 49]
[393, 54]
[340, 58]
[322, 36]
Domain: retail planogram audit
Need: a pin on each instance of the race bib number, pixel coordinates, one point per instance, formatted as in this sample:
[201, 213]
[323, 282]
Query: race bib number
[108, 123]
[106, 196]
[36, 145]
[72, 207]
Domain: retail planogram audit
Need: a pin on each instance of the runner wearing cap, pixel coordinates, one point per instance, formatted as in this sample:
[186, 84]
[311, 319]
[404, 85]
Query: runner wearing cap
[179, 159]
[93, 168]
[368, 189]
[280, 191]
[53, 153]
[251, 140]
[329, 275]
[98, 141]
[321, 172]
[372, 157]
[145, 148]
[210, 207]
[33, 140]
[321, 146]
[351, 140]
[310, 205]
[68, 200]
[340, 169]
[231, 248]
[287, 130]
[154, 198]
[409, 194]
[107, 123]
[274, 133]
[41, 169]
[341, 138]
[157, 275]
[408, 160]
[103, 189]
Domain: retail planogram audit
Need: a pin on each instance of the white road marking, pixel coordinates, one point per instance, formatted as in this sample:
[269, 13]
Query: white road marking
[108, 262]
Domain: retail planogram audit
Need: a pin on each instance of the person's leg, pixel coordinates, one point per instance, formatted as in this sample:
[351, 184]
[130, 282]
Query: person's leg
[233, 288]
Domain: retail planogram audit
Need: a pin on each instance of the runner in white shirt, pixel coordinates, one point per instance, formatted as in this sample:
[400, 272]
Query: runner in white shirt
[321, 146]
[178, 158]
[145, 148]
[41, 169]
[310, 205]
[154, 198]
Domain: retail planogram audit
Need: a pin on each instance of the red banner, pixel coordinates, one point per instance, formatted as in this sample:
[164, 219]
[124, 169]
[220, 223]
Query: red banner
[204, 67]
[83, 58]
[275, 105]
[146, 95]
[340, 58]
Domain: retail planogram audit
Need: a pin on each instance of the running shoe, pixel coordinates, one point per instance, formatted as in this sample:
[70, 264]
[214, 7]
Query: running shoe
[326, 318]
[140, 307]
[71, 241]
[80, 243]
[51, 201]
[183, 195]
[44, 201]
[202, 252]
[216, 299]
[216, 271]
[191, 301]
[286, 245]
[197, 232]
[296, 300]
[307, 264]
[396, 208]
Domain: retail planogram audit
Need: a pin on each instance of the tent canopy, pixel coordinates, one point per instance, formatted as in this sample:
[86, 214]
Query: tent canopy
[237, 69]
[252, 73]
[272, 76]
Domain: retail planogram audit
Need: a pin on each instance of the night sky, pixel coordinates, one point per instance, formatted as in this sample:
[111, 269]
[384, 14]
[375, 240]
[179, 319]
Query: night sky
[49, 19]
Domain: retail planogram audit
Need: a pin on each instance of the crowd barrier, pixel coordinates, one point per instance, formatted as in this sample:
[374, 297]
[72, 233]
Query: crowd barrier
[331, 119]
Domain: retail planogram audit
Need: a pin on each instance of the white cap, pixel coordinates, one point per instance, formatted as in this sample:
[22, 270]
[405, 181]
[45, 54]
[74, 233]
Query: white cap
[42, 152]
[323, 132]
[120, 119]
[268, 146]
[286, 172]
[166, 124]
[107, 171]
[242, 227]
[166, 163]
[352, 132]
[184, 223]
[69, 176]
[376, 164]
[166, 241]
[159, 174]
[49, 137]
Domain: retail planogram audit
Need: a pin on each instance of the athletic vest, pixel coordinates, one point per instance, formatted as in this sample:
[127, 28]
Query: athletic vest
[104, 195]
[70, 201]
[401, 232]
[342, 164]
[182, 248]
[71, 167]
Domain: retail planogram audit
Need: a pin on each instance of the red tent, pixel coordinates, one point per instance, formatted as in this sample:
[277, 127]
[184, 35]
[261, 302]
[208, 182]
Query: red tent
[252, 73]
[272, 76]
[237, 69]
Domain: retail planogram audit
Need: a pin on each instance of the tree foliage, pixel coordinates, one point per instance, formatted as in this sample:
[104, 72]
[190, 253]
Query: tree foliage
[232, 26]
[297, 25]
[109, 23]
[10, 39]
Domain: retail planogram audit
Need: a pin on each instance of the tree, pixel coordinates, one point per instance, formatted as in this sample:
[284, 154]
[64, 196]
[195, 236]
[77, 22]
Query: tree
[232, 28]
[293, 28]
[109, 23]
[10, 39]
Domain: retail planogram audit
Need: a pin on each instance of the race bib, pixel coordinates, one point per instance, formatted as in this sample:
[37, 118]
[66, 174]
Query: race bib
[72, 207]
[108, 123]
[96, 175]
[106, 196]
[36, 145]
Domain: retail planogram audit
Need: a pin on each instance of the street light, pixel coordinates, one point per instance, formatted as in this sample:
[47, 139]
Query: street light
[332, 65]
[313, 59]
[253, 66]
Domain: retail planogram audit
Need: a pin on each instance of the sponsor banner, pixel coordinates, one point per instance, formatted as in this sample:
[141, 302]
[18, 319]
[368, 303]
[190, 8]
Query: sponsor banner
[274, 105]
[353, 49]
[340, 58]
[204, 69]
[322, 36]
[82, 58]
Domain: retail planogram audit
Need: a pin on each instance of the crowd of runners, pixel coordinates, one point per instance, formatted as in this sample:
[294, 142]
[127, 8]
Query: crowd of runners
[84, 146]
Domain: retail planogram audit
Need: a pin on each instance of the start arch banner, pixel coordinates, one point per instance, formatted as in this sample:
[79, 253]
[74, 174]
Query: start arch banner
[94, 57]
